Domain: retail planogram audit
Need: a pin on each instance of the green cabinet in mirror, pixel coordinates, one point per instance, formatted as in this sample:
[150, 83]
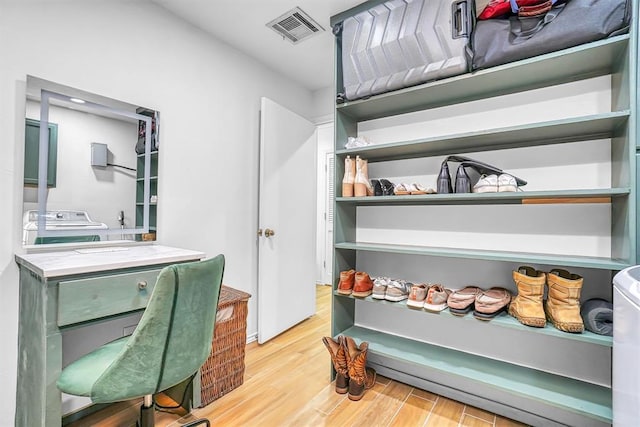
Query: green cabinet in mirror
[31, 153]
[153, 198]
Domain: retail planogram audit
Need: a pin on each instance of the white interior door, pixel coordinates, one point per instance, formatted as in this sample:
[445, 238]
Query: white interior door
[286, 258]
[328, 228]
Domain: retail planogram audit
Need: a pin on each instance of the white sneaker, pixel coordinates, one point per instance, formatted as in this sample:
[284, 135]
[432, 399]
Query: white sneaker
[380, 287]
[398, 290]
[507, 183]
[356, 142]
[487, 184]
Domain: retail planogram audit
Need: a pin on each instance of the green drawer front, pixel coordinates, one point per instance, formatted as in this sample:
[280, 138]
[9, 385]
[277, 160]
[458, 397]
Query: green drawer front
[96, 297]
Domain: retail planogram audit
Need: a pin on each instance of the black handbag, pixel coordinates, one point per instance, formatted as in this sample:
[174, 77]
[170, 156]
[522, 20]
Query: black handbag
[468, 173]
[566, 24]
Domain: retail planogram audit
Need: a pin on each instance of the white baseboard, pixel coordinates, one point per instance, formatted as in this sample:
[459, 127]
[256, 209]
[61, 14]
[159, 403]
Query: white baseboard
[251, 338]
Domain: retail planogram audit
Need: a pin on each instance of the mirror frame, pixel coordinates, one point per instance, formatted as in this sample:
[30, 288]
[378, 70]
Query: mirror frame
[45, 97]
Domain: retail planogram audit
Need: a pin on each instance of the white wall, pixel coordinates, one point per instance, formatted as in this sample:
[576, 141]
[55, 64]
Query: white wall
[102, 192]
[323, 105]
[208, 95]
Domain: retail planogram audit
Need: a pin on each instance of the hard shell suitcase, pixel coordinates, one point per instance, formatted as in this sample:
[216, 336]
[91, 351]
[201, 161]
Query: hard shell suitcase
[402, 43]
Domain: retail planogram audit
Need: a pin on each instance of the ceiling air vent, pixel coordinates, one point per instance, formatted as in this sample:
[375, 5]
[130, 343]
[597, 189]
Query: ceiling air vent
[295, 25]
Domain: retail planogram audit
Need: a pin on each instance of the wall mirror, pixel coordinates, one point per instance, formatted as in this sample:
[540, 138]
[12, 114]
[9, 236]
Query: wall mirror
[91, 167]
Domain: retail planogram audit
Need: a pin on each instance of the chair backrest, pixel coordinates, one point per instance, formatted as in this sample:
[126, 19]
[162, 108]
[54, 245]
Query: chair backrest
[173, 338]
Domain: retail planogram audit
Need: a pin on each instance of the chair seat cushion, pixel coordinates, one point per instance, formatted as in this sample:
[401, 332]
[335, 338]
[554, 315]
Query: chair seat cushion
[79, 377]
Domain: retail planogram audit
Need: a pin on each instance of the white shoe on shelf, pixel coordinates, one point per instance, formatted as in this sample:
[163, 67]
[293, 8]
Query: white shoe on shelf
[507, 183]
[486, 184]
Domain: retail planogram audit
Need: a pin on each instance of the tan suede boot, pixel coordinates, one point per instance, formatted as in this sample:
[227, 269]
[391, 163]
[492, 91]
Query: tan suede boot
[563, 302]
[527, 305]
[338, 352]
[349, 177]
[360, 377]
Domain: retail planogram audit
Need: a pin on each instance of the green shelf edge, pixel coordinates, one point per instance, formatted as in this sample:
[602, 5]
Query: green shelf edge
[583, 128]
[568, 394]
[490, 255]
[576, 63]
[484, 198]
[150, 178]
[502, 320]
[152, 153]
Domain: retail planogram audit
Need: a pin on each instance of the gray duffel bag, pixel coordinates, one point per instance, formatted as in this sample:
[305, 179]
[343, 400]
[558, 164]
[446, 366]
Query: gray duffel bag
[567, 24]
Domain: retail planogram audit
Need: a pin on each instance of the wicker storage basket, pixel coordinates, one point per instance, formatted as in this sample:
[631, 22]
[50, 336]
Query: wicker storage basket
[224, 369]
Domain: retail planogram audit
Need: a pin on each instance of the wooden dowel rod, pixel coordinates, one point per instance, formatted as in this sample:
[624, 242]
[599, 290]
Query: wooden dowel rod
[562, 200]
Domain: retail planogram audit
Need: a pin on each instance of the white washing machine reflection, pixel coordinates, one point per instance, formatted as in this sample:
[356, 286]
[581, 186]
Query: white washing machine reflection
[59, 220]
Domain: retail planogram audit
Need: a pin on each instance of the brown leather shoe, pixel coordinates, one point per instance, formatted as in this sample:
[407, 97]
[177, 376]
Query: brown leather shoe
[338, 352]
[347, 279]
[363, 286]
[361, 378]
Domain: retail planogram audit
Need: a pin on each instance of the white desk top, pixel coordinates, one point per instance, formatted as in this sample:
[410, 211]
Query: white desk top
[89, 260]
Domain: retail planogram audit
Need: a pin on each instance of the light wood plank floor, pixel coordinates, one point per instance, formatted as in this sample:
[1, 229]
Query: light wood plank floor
[287, 384]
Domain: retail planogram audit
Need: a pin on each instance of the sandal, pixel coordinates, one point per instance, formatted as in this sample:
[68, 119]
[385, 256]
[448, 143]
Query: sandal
[402, 189]
[420, 189]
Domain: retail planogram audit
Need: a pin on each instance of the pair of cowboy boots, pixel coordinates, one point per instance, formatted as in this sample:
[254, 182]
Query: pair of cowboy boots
[349, 361]
[562, 307]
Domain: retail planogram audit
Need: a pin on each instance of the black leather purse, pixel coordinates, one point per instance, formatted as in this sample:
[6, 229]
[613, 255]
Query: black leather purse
[468, 173]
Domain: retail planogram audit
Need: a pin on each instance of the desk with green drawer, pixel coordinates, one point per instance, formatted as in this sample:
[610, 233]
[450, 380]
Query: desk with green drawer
[66, 289]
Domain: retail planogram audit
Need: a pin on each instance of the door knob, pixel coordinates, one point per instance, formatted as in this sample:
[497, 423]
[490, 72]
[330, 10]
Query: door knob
[269, 232]
[259, 232]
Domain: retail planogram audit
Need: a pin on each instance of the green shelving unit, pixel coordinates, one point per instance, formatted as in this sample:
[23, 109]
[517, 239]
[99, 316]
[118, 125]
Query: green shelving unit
[488, 255]
[436, 363]
[502, 320]
[605, 125]
[153, 185]
[153, 175]
[515, 377]
[603, 195]
[580, 62]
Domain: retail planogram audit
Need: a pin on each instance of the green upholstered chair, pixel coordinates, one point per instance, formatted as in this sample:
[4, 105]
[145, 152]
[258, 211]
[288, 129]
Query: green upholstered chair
[169, 345]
